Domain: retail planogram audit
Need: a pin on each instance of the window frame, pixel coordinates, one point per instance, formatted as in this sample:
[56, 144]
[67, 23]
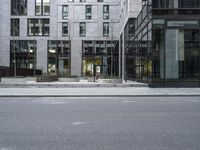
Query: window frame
[65, 17]
[41, 8]
[65, 35]
[82, 35]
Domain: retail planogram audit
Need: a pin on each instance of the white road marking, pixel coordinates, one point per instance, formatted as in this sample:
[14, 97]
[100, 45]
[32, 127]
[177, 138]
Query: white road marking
[78, 123]
[52, 102]
[129, 101]
[4, 148]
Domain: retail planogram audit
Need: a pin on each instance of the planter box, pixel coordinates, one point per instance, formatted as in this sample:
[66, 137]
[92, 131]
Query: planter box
[109, 80]
[68, 79]
[18, 80]
[47, 78]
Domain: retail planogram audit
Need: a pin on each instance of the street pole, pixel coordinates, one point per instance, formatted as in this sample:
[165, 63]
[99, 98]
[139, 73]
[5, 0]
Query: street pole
[94, 66]
[112, 25]
[15, 69]
[14, 49]
[34, 54]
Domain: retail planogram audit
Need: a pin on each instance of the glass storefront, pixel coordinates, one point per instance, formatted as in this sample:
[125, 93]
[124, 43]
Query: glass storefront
[100, 58]
[23, 54]
[59, 62]
[164, 49]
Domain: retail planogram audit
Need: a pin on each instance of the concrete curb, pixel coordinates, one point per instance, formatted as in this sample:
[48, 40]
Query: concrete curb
[164, 95]
[70, 85]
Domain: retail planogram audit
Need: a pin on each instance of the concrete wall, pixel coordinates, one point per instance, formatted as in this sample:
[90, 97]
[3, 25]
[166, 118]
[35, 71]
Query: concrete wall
[5, 33]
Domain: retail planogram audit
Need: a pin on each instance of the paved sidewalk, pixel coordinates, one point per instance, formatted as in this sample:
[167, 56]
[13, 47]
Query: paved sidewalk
[97, 92]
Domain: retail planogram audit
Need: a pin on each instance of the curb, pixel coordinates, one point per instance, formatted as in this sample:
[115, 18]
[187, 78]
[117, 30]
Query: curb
[164, 95]
[71, 85]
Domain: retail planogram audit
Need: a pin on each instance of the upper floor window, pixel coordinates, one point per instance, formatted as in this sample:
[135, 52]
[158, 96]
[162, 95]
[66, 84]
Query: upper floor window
[14, 27]
[88, 12]
[70, 0]
[82, 0]
[106, 29]
[38, 27]
[82, 29]
[19, 7]
[189, 3]
[65, 11]
[65, 28]
[42, 7]
[106, 12]
[163, 3]
[99, 0]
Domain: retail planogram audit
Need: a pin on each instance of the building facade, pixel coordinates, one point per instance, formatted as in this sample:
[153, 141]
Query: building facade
[165, 46]
[63, 37]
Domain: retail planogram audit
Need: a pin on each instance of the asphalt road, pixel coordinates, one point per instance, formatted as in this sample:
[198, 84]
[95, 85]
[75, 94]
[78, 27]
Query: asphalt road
[161, 123]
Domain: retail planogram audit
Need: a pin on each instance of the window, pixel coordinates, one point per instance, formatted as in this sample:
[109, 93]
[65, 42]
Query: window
[82, 0]
[97, 58]
[99, 0]
[42, 8]
[65, 11]
[70, 0]
[38, 27]
[59, 62]
[82, 29]
[106, 12]
[88, 12]
[189, 3]
[65, 28]
[163, 3]
[23, 54]
[19, 7]
[14, 28]
[106, 29]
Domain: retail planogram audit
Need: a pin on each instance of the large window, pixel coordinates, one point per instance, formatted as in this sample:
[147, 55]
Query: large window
[18, 7]
[65, 28]
[65, 11]
[189, 3]
[42, 8]
[106, 29]
[23, 54]
[59, 58]
[82, 29]
[88, 12]
[14, 27]
[163, 3]
[38, 27]
[106, 12]
[100, 58]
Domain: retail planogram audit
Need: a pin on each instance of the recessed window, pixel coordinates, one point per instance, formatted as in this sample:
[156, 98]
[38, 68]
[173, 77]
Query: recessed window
[14, 27]
[106, 12]
[19, 7]
[106, 29]
[88, 12]
[65, 28]
[42, 8]
[65, 11]
[82, 29]
[26, 54]
[82, 0]
[38, 27]
[99, 0]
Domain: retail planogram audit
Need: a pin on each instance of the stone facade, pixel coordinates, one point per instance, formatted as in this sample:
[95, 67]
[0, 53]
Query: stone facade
[119, 12]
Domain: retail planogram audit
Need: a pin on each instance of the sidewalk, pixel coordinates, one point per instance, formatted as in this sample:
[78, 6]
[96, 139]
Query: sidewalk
[98, 92]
